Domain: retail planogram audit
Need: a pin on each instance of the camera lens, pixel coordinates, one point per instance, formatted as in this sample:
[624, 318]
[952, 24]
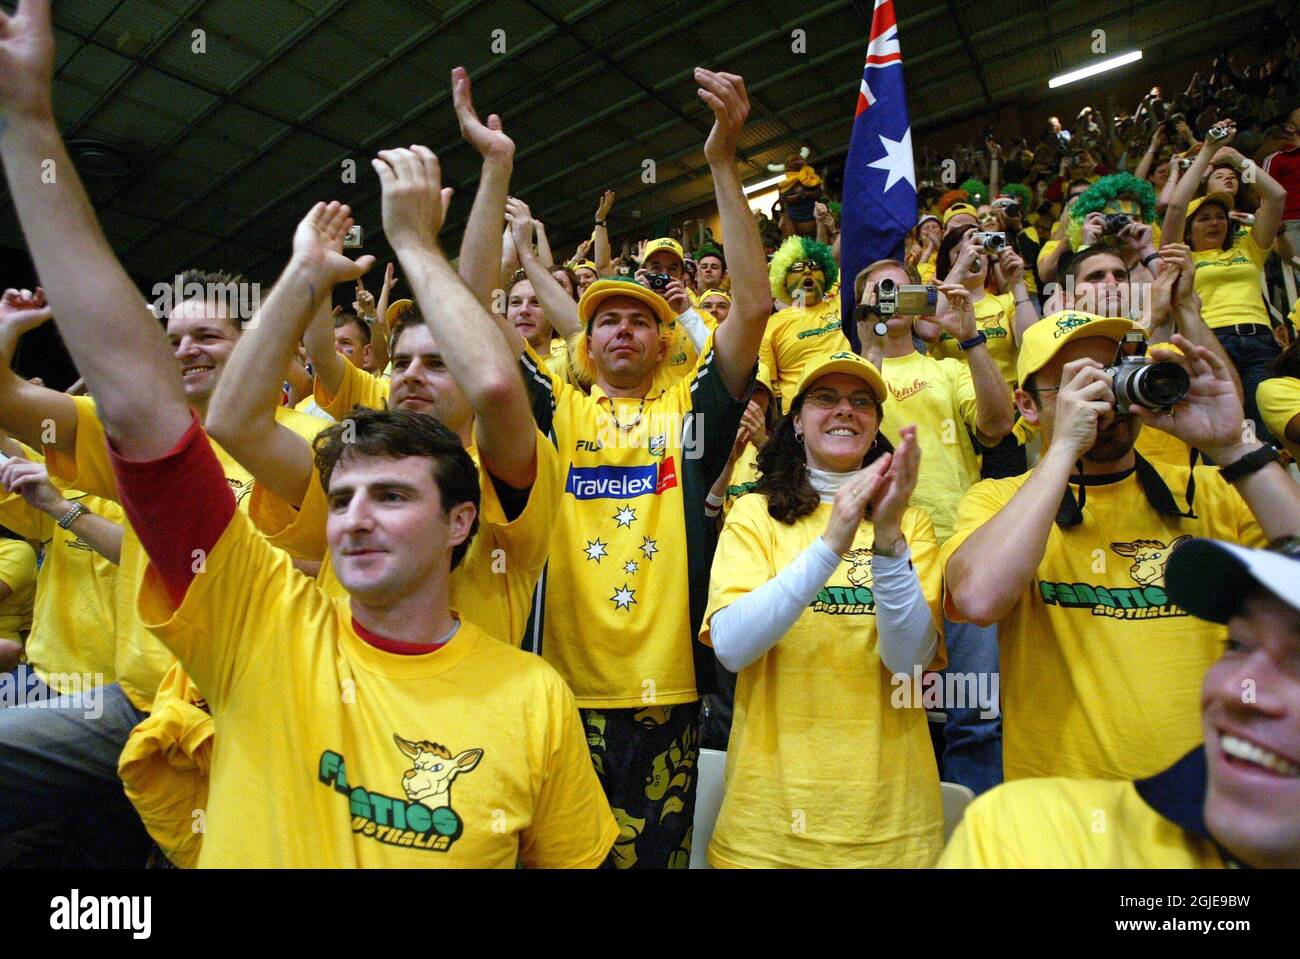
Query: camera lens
[886, 286]
[1159, 385]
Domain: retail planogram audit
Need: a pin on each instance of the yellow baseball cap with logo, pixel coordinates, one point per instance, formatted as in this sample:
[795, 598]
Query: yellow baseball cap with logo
[1043, 339]
[661, 244]
[843, 361]
[1216, 197]
[602, 290]
[395, 310]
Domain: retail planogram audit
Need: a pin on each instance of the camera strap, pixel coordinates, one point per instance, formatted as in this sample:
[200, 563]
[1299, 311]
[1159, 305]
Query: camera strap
[1070, 512]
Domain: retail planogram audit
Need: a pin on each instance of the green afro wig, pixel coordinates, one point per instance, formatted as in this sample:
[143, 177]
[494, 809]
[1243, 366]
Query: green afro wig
[794, 249]
[834, 208]
[709, 249]
[1095, 198]
[1021, 193]
[976, 190]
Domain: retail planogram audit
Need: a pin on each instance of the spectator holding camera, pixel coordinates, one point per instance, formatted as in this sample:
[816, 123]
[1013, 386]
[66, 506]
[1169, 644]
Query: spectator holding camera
[1230, 263]
[1099, 669]
[825, 583]
[1229, 802]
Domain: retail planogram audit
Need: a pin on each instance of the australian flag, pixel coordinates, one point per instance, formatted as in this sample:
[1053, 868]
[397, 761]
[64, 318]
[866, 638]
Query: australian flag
[879, 177]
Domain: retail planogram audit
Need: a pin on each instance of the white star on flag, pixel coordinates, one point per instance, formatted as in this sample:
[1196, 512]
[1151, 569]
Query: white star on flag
[649, 547]
[897, 160]
[595, 550]
[623, 597]
[625, 516]
[630, 567]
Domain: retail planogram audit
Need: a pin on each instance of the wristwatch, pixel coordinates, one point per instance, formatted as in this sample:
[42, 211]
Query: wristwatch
[75, 512]
[1250, 463]
[894, 550]
[974, 341]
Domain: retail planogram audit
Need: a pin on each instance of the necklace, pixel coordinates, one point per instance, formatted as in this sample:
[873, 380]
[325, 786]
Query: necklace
[626, 427]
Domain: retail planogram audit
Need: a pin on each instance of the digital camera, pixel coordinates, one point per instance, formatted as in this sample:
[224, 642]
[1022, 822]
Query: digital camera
[658, 281]
[1217, 132]
[1153, 386]
[1115, 222]
[991, 242]
[354, 237]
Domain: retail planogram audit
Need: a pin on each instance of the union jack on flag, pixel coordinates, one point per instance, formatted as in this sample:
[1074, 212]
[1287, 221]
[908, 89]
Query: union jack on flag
[879, 176]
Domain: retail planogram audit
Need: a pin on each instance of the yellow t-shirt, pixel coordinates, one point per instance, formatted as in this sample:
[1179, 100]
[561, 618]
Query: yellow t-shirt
[74, 619]
[332, 752]
[925, 269]
[358, 388]
[1227, 282]
[1045, 251]
[826, 765]
[140, 660]
[994, 316]
[681, 359]
[1071, 824]
[796, 336]
[1279, 403]
[620, 615]
[18, 572]
[1100, 673]
[938, 397]
[744, 477]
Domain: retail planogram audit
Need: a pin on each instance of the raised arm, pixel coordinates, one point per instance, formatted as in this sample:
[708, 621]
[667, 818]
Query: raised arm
[481, 246]
[241, 416]
[601, 252]
[994, 410]
[543, 244]
[473, 348]
[736, 341]
[31, 481]
[1188, 182]
[561, 309]
[326, 362]
[115, 343]
[35, 414]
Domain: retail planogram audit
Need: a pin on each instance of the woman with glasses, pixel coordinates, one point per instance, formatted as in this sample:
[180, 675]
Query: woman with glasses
[824, 599]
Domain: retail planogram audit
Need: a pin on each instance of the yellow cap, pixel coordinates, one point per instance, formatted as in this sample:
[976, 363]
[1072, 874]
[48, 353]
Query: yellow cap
[664, 243]
[843, 362]
[715, 292]
[602, 290]
[395, 310]
[1043, 339]
[585, 265]
[957, 209]
[1216, 197]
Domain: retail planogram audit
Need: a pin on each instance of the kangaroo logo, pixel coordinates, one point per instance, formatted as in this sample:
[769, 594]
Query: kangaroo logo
[860, 566]
[1150, 556]
[434, 768]
[1068, 321]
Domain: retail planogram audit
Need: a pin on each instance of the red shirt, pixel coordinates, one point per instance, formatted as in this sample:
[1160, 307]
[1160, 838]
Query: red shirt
[1284, 167]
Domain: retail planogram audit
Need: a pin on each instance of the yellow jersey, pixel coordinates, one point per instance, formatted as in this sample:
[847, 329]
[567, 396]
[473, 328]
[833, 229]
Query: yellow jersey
[797, 336]
[1278, 399]
[824, 768]
[471, 755]
[18, 572]
[1227, 282]
[140, 660]
[994, 315]
[623, 592]
[74, 619]
[1100, 672]
[744, 477]
[1079, 824]
[938, 397]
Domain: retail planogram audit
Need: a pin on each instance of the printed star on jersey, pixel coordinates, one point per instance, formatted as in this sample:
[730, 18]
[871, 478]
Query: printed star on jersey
[625, 516]
[649, 547]
[630, 567]
[595, 550]
[623, 597]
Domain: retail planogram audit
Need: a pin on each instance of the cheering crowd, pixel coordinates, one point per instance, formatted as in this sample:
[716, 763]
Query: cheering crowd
[469, 578]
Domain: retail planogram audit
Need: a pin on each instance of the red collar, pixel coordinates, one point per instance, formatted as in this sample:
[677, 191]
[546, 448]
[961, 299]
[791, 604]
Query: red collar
[393, 645]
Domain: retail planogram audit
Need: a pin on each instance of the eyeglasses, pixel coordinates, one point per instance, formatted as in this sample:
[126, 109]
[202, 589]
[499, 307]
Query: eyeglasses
[829, 400]
[809, 265]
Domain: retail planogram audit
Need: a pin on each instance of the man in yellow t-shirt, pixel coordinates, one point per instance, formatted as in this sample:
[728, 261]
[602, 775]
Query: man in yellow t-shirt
[1279, 405]
[951, 403]
[17, 589]
[800, 273]
[1229, 802]
[1099, 668]
[626, 584]
[80, 778]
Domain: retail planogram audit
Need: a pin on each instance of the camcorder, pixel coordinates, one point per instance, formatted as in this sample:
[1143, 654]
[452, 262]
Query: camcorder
[1153, 386]
[991, 242]
[894, 300]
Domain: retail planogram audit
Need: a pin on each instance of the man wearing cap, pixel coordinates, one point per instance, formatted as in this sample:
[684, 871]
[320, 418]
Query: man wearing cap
[948, 401]
[1234, 801]
[1099, 669]
[716, 303]
[959, 215]
[626, 582]
[664, 258]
